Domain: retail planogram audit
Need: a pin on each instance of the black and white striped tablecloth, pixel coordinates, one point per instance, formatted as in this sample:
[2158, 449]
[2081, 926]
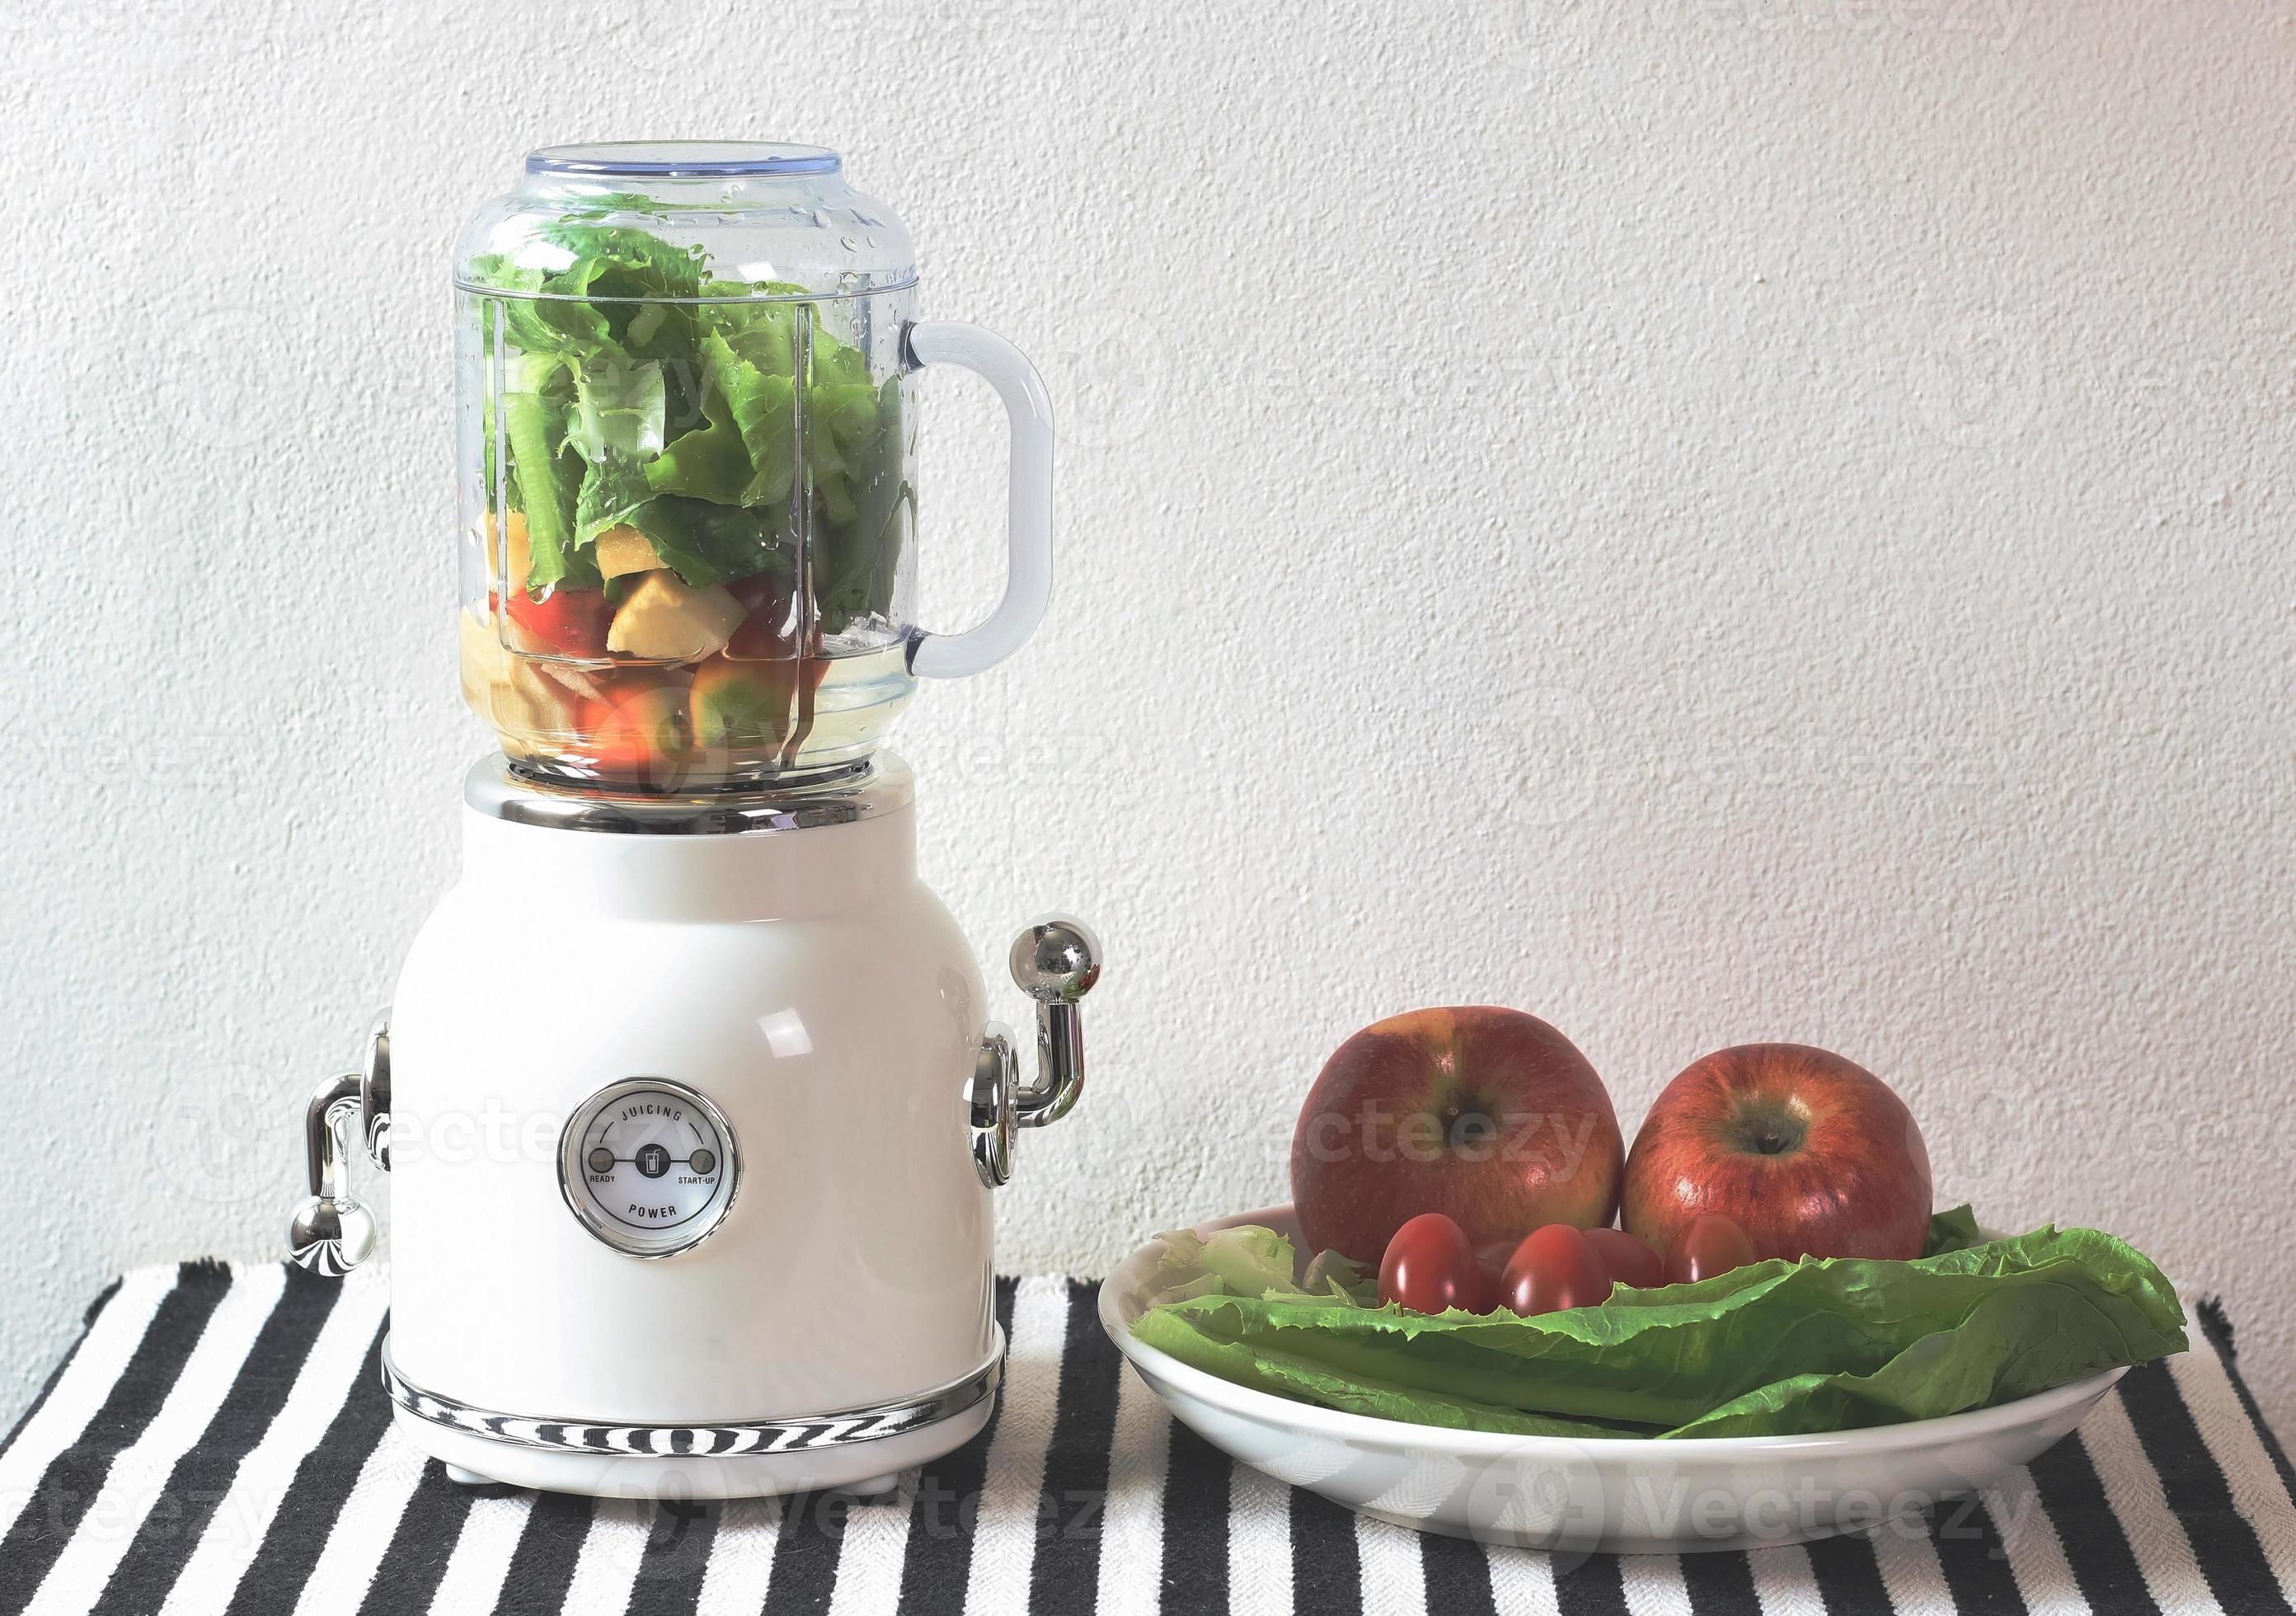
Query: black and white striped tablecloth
[218, 1442]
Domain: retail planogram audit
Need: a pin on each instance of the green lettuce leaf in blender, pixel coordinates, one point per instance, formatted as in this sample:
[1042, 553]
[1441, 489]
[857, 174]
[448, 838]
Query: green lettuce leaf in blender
[1774, 1348]
[535, 405]
[672, 405]
[618, 411]
[702, 542]
[708, 544]
[857, 473]
[612, 492]
[760, 404]
[547, 317]
[710, 462]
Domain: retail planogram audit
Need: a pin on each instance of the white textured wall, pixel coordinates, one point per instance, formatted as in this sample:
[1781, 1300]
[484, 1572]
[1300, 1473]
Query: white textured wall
[1706, 519]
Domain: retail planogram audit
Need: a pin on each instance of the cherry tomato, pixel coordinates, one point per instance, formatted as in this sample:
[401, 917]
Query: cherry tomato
[1430, 1267]
[1711, 1245]
[1627, 1259]
[1554, 1267]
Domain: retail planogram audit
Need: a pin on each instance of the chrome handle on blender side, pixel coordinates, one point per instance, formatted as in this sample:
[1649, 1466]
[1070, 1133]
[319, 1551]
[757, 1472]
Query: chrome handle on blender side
[1055, 961]
[1029, 507]
[331, 1233]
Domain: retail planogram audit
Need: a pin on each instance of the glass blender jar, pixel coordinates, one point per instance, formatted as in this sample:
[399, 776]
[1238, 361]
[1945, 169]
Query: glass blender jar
[686, 475]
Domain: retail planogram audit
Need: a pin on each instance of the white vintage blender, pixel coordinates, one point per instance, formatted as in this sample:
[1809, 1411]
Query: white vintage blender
[687, 1092]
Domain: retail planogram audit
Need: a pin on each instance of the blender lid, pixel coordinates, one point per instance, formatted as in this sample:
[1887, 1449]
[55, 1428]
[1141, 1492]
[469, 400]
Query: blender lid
[683, 159]
[748, 220]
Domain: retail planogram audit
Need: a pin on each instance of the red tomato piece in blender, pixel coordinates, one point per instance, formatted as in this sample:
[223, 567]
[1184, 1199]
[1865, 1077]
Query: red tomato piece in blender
[565, 622]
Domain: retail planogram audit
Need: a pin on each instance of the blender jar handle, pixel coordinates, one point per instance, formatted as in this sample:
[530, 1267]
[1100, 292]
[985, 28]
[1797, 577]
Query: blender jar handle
[1029, 480]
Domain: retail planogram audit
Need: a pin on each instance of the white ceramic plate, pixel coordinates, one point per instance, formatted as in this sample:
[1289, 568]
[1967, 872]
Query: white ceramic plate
[1615, 1495]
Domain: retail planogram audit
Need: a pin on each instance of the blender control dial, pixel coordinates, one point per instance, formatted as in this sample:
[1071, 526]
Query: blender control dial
[648, 1166]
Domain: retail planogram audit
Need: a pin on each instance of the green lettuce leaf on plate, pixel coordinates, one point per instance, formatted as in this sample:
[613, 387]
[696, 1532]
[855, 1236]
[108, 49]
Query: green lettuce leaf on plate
[1774, 1349]
[1952, 1231]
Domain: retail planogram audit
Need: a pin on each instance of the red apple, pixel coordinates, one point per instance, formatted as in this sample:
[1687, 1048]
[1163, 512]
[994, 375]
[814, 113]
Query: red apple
[1488, 1116]
[1809, 1153]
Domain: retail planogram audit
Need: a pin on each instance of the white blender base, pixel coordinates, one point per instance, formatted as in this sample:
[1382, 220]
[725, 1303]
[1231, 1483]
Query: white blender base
[862, 1468]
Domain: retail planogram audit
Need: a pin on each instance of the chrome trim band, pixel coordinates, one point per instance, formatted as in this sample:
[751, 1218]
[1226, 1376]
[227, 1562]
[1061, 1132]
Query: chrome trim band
[802, 1434]
[865, 791]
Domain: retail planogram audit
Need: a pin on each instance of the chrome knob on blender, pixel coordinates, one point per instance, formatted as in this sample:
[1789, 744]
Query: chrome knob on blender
[1055, 961]
[374, 1093]
[331, 1233]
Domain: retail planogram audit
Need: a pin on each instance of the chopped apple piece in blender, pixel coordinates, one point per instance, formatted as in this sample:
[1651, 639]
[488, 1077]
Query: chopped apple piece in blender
[521, 551]
[484, 662]
[533, 703]
[514, 694]
[625, 550]
[666, 621]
